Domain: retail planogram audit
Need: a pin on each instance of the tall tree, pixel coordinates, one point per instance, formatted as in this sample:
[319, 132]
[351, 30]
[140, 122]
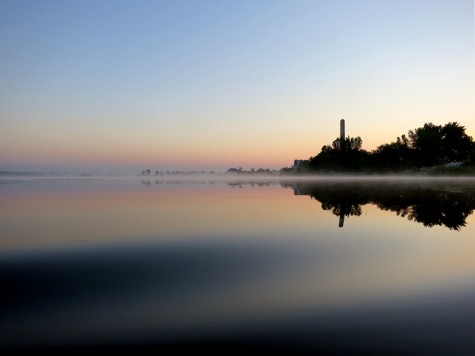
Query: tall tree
[427, 143]
[456, 144]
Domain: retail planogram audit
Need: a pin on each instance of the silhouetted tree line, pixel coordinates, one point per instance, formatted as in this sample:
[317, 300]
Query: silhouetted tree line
[426, 146]
[430, 205]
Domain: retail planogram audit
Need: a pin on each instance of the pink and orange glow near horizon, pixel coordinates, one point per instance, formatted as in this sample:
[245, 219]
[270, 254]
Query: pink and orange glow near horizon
[161, 85]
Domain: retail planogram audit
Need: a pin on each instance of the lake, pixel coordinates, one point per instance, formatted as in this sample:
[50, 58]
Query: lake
[320, 265]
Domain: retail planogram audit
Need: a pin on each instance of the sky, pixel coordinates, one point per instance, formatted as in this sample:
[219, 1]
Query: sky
[212, 84]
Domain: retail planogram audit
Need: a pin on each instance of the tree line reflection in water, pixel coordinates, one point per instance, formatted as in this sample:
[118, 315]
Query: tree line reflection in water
[431, 202]
[426, 203]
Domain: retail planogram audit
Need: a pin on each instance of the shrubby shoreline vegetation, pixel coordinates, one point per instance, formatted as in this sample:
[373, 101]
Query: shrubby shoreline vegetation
[431, 149]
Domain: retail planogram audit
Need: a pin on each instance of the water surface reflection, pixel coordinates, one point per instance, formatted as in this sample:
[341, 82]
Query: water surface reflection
[235, 265]
[429, 203]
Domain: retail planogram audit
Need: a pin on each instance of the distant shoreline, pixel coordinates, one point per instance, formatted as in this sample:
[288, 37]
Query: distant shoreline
[335, 176]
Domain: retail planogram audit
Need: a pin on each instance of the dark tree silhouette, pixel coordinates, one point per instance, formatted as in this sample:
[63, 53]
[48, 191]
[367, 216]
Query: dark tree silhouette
[435, 144]
[343, 155]
[456, 144]
[394, 156]
[427, 146]
[427, 143]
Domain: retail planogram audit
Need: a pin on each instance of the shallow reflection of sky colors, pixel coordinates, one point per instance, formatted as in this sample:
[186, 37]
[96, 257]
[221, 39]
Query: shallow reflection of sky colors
[82, 213]
[48, 213]
[258, 251]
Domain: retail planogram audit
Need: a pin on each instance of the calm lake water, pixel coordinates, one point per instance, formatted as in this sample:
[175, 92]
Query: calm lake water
[325, 265]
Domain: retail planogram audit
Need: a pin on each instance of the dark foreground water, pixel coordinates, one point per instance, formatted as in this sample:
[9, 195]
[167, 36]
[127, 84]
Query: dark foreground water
[331, 266]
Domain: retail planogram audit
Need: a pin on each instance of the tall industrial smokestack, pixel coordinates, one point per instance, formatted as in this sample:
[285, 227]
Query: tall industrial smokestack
[342, 129]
